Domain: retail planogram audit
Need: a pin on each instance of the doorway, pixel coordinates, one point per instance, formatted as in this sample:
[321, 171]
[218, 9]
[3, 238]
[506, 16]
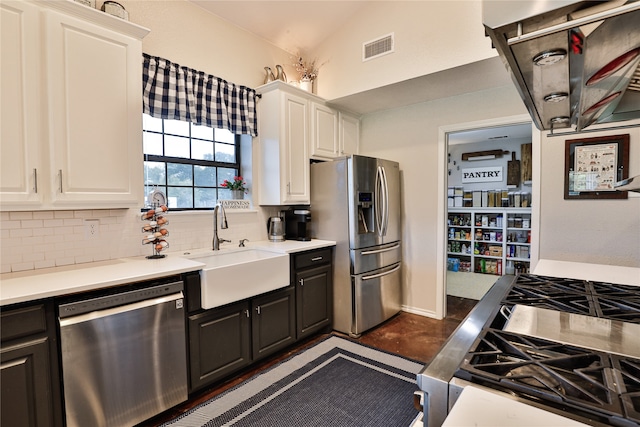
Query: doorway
[477, 233]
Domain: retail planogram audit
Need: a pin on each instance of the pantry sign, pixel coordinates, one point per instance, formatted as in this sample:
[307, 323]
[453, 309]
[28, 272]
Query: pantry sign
[488, 174]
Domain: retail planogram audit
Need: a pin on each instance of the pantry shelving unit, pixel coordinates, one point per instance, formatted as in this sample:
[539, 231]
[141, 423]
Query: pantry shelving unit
[489, 240]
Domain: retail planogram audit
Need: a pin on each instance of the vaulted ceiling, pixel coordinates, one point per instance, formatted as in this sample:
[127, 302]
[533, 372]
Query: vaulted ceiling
[294, 26]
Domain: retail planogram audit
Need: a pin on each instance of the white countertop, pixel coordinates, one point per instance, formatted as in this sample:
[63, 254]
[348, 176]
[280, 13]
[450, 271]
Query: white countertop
[585, 271]
[291, 246]
[479, 408]
[50, 282]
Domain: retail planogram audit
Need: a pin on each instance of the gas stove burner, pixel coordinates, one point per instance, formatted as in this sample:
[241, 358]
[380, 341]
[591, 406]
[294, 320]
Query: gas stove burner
[544, 298]
[591, 382]
[598, 299]
[615, 290]
[561, 285]
[630, 370]
[536, 376]
[618, 309]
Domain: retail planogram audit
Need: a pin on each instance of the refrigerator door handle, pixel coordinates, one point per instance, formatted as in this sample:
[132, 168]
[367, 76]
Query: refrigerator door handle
[385, 212]
[381, 202]
[386, 273]
[377, 203]
[377, 251]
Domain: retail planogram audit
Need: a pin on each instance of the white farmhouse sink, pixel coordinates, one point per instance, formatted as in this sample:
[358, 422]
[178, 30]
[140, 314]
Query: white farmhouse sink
[233, 276]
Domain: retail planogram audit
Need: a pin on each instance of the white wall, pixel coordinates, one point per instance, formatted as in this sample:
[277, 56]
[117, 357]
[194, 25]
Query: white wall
[187, 34]
[409, 136]
[591, 231]
[430, 36]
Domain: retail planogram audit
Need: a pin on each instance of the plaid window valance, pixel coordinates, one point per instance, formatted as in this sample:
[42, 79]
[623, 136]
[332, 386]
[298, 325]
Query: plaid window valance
[170, 91]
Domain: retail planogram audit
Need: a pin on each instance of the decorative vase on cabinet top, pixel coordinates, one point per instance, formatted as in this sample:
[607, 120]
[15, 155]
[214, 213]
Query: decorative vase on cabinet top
[280, 74]
[269, 77]
[306, 84]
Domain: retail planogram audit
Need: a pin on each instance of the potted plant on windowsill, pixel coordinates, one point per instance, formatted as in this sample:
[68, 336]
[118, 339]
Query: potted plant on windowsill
[238, 187]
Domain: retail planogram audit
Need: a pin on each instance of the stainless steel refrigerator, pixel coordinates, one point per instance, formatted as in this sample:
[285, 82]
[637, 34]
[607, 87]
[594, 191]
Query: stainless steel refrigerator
[355, 201]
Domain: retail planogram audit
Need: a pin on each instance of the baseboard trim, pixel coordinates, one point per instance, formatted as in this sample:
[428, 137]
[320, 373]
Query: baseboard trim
[420, 312]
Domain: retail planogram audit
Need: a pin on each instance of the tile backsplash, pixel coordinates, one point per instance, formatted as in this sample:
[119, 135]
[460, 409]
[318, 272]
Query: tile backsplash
[40, 239]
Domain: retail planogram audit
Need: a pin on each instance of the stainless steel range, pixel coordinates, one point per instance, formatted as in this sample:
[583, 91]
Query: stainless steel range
[567, 346]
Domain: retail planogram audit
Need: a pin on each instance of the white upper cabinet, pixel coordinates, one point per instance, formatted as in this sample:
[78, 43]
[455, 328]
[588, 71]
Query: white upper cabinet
[348, 134]
[283, 134]
[78, 140]
[324, 131]
[334, 133]
[20, 115]
[294, 127]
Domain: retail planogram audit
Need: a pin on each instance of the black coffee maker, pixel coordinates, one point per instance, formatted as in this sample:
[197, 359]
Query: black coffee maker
[297, 221]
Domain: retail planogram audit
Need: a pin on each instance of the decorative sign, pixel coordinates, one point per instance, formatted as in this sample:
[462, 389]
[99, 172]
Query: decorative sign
[235, 204]
[593, 165]
[486, 174]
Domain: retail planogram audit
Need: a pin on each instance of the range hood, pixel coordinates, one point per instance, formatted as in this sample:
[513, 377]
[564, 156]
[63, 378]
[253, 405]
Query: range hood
[575, 63]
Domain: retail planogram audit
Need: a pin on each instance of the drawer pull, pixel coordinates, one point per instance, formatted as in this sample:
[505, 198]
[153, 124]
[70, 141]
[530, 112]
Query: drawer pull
[386, 273]
[377, 251]
[318, 258]
[301, 282]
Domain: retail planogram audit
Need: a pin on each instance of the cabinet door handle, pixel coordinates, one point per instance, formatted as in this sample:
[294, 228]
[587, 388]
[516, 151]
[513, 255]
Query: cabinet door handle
[258, 309]
[301, 282]
[318, 258]
[35, 180]
[247, 313]
[60, 177]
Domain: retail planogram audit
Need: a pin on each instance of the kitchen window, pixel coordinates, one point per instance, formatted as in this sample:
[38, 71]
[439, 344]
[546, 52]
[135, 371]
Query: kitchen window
[188, 162]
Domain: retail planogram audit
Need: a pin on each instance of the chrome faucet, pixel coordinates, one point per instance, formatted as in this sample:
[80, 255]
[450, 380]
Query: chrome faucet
[223, 225]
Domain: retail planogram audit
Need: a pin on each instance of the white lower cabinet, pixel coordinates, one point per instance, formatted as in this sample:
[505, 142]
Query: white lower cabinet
[72, 111]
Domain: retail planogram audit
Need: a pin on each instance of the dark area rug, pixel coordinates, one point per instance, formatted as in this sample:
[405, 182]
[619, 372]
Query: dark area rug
[336, 382]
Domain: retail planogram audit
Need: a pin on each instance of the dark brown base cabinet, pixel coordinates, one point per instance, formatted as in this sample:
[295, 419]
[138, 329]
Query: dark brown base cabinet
[313, 276]
[226, 339]
[219, 343]
[29, 380]
[273, 323]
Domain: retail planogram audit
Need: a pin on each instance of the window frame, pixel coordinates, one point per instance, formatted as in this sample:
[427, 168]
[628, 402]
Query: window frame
[192, 162]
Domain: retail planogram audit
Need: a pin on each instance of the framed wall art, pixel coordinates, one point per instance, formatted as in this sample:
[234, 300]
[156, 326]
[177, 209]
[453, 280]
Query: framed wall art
[593, 165]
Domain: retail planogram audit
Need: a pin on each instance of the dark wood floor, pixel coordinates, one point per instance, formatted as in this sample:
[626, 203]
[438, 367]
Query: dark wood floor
[409, 335]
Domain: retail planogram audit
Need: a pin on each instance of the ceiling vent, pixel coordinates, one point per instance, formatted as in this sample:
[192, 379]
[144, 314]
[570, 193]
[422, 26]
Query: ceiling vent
[378, 47]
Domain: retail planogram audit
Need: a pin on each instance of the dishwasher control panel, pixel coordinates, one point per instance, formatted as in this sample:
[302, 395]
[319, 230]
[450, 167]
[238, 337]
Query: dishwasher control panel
[118, 299]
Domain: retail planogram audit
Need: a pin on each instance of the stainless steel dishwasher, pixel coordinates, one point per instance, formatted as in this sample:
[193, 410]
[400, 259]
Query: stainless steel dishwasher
[123, 355]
